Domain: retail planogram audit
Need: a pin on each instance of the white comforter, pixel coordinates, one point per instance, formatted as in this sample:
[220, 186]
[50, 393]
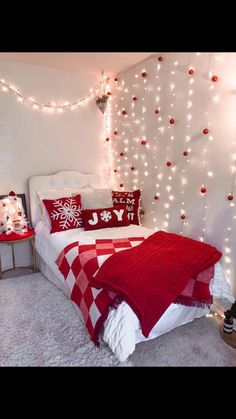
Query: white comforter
[122, 328]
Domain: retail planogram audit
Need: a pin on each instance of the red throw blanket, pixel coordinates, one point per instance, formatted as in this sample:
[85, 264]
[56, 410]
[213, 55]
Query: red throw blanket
[152, 275]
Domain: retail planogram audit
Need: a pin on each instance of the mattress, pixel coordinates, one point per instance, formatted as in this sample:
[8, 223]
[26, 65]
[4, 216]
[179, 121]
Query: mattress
[122, 328]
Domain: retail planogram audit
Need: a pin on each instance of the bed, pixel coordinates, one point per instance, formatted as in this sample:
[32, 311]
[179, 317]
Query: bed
[121, 329]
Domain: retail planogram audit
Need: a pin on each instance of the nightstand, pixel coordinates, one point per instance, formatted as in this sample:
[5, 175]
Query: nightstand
[14, 238]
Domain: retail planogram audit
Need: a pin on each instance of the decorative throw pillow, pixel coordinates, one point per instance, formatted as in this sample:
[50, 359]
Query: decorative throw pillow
[105, 217]
[64, 213]
[54, 193]
[96, 198]
[131, 200]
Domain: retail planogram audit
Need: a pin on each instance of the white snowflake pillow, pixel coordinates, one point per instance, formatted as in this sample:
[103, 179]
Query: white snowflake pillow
[53, 193]
[64, 213]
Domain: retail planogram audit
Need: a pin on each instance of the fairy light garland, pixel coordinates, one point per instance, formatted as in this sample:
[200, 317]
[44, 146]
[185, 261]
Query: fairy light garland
[158, 115]
[169, 163]
[141, 152]
[50, 106]
[227, 252]
[186, 152]
[207, 136]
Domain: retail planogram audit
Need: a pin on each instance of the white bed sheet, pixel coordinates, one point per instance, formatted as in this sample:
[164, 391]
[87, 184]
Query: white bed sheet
[122, 328]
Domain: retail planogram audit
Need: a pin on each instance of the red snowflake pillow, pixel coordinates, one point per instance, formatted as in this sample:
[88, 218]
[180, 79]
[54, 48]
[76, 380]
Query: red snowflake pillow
[105, 217]
[64, 213]
[131, 200]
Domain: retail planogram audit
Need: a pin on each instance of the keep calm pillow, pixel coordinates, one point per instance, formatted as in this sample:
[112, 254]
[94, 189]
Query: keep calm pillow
[132, 202]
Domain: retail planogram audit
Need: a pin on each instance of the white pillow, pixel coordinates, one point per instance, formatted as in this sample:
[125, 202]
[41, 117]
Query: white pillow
[95, 198]
[54, 194]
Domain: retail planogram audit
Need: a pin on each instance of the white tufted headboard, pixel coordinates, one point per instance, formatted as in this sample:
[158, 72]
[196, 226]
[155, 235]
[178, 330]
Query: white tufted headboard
[61, 179]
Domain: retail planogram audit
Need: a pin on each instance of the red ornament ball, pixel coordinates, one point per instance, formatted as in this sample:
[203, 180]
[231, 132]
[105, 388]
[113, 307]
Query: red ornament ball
[121, 185]
[168, 163]
[107, 139]
[121, 154]
[172, 121]
[143, 142]
[156, 197]
[142, 212]
[185, 153]
[230, 197]
[108, 93]
[132, 168]
[203, 190]
[183, 217]
[115, 132]
[116, 79]
[144, 74]
[124, 112]
[205, 131]
[115, 170]
[157, 111]
[190, 71]
[135, 98]
[160, 58]
[214, 78]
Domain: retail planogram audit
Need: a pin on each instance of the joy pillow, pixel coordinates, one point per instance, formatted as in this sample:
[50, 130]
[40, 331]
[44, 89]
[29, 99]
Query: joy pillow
[64, 213]
[131, 200]
[105, 217]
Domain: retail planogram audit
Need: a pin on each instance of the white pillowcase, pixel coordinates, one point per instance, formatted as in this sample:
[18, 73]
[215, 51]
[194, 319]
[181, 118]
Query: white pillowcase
[95, 198]
[55, 194]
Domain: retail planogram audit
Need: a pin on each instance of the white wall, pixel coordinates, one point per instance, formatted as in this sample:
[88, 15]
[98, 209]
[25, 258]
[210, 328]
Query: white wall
[34, 142]
[195, 102]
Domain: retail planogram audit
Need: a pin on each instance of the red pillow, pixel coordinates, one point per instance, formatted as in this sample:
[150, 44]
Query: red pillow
[105, 217]
[132, 202]
[64, 213]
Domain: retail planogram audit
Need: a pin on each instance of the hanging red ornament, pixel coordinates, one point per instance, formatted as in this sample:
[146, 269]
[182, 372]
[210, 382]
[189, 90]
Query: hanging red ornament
[182, 217]
[203, 190]
[185, 153]
[205, 131]
[121, 154]
[156, 197]
[115, 170]
[116, 79]
[190, 71]
[144, 74]
[107, 139]
[121, 185]
[141, 212]
[143, 142]
[157, 111]
[134, 98]
[108, 93]
[132, 168]
[214, 78]
[168, 163]
[124, 112]
[230, 197]
[115, 133]
[160, 58]
[172, 121]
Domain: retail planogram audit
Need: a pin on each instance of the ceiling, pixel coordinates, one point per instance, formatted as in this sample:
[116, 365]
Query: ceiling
[80, 62]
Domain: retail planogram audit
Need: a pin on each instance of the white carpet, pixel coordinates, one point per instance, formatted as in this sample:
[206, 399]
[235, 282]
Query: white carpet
[40, 327]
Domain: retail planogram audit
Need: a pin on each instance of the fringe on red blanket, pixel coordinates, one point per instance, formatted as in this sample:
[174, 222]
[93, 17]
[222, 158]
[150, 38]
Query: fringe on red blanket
[193, 303]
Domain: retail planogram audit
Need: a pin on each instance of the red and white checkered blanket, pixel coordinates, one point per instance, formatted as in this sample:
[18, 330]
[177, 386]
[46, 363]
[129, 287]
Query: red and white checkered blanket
[78, 263]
